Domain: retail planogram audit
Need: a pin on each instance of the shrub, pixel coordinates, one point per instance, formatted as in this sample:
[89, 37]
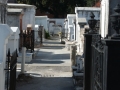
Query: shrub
[47, 35]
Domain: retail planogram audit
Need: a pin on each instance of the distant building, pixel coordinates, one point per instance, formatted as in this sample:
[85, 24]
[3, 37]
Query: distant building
[12, 1]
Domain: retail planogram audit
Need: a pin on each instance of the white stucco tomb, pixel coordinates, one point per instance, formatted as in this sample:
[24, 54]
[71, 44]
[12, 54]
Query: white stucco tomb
[28, 16]
[54, 21]
[81, 22]
[36, 33]
[42, 20]
[13, 41]
[4, 35]
[70, 18]
[74, 28]
[70, 33]
[14, 17]
[56, 29]
[107, 7]
[66, 27]
[82, 17]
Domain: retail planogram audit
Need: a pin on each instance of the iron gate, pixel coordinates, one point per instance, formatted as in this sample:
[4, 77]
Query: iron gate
[99, 55]
[11, 66]
[28, 39]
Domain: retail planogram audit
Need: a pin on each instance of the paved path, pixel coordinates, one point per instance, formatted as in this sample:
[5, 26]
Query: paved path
[50, 70]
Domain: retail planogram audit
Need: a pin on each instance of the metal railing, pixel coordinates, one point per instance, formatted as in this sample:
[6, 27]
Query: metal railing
[11, 65]
[27, 39]
[102, 59]
[99, 55]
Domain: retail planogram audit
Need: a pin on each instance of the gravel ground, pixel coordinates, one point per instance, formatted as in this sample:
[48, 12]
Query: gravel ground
[50, 70]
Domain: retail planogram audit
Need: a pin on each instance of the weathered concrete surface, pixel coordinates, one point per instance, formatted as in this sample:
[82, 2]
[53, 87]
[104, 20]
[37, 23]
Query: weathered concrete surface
[50, 70]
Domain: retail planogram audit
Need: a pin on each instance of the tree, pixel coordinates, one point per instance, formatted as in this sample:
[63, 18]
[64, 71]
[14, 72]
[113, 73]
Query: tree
[91, 3]
[55, 7]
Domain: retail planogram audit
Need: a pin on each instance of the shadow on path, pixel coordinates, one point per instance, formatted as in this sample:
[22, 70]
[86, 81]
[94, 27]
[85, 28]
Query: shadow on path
[46, 82]
[53, 77]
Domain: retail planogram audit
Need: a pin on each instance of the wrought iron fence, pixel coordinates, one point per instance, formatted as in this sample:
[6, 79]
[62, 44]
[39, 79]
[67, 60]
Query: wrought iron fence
[101, 71]
[11, 66]
[40, 35]
[27, 40]
[99, 55]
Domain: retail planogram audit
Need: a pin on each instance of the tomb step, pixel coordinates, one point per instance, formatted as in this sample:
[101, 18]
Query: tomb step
[74, 68]
[28, 57]
[76, 74]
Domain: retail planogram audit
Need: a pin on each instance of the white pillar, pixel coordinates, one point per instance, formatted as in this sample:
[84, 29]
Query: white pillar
[104, 19]
[23, 60]
[107, 7]
[36, 32]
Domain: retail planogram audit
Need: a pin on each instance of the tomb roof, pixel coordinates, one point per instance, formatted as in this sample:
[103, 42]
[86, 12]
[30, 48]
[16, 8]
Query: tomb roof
[81, 20]
[71, 15]
[20, 5]
[14, 10]
[86, 9]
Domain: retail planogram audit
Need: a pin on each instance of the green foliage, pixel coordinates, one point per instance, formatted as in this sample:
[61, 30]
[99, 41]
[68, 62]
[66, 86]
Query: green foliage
[59, 7]
[91, 3]
[47, 35]
[56, 7]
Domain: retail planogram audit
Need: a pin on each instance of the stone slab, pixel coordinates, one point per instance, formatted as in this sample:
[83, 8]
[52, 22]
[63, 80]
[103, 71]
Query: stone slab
[28, 57]
[82, 21]
[68, 44]
[77, 74]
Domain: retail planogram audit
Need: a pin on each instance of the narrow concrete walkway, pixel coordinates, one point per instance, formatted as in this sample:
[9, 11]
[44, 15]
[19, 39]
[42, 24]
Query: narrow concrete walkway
[50, 70]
